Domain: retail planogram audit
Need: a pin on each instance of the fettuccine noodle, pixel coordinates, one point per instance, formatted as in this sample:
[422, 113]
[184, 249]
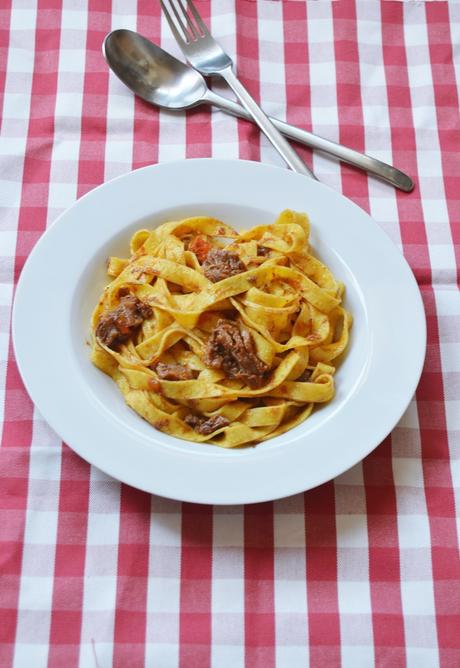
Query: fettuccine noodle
[218, 336]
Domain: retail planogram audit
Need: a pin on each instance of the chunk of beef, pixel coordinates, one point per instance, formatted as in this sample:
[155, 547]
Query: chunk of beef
[231, 349]
[206, 426]
[200, 246]
[174, 372]
[220, 264]
[262, 251]
[305, 376]
[121, 323]
[194, 421]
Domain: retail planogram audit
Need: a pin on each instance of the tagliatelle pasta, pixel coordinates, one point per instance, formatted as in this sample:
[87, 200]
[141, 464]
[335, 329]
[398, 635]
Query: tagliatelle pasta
[218, 336]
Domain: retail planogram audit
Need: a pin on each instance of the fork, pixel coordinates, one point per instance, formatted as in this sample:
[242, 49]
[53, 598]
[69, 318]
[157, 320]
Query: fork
[204, 54]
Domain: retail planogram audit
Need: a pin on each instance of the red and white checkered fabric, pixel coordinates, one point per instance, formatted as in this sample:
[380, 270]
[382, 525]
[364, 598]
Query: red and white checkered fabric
[362, 571]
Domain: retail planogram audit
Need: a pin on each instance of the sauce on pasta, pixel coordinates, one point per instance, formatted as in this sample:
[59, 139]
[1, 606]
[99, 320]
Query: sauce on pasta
[219, 336]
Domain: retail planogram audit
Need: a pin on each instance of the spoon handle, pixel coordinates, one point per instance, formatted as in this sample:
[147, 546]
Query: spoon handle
[376, 167]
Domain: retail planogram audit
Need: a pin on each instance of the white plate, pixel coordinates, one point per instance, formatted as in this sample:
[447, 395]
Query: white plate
[64, 277]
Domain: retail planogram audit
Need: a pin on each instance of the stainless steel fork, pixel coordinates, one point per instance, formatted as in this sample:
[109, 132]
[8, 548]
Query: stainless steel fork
[207, 56]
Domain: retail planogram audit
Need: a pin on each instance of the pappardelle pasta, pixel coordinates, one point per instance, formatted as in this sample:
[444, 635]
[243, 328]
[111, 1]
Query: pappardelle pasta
[219, 336]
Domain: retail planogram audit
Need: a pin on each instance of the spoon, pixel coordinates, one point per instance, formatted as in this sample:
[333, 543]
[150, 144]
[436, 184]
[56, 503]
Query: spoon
[161, 79]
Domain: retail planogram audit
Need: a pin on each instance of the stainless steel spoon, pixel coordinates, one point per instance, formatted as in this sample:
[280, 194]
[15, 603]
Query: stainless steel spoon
[161, 79]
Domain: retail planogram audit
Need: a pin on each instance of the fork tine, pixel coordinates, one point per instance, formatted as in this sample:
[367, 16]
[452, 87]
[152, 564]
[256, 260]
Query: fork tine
[198, 18]
[181, 39]
[191, 25]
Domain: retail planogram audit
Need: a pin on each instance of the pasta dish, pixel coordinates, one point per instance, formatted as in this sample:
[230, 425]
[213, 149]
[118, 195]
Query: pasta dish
[219, 336]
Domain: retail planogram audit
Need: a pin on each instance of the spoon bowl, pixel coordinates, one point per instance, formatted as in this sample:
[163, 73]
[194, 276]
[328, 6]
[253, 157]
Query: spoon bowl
[151, 73]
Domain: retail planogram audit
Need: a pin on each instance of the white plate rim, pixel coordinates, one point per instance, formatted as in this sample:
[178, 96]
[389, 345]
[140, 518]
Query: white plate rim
[252, 477]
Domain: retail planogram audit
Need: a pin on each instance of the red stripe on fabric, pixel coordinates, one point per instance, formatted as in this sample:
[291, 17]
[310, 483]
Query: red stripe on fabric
[259, 593]
[198, 128]
[65, 631]
[410, 214]
[18, 415]
[349, 102]
[13, 481]
[14, 465]
[440, 500]
[91, 164]
[5, 18]
[447, 113]
[69, 564]
[146, 130]
[321, 560]
[296, 64]
[247, 67]
[132, 578]
[37, 161]
[434, 443]
[384, 557]
[195, 586]
[384, 565]
[18, 411]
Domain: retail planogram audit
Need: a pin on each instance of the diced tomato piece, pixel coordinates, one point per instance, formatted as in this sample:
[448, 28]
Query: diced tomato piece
[200, 246]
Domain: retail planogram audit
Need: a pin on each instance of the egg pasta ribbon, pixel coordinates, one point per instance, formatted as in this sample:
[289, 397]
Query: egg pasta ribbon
[219, 336]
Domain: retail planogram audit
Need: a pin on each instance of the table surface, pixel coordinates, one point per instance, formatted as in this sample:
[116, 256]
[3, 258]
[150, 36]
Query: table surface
[361, 571]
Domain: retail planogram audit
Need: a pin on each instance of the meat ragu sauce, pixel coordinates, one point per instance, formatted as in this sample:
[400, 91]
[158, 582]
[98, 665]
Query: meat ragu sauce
[220, 264]
[192, 367]
[204, 425]
[174, 372]
[120, 324]
[230, 348]
[201, 246]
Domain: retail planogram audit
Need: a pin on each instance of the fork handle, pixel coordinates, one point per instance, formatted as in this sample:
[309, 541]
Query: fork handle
[381, 170]
[283, 147]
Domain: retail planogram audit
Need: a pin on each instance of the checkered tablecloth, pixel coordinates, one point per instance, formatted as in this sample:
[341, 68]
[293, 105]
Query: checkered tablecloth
[361, 571]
